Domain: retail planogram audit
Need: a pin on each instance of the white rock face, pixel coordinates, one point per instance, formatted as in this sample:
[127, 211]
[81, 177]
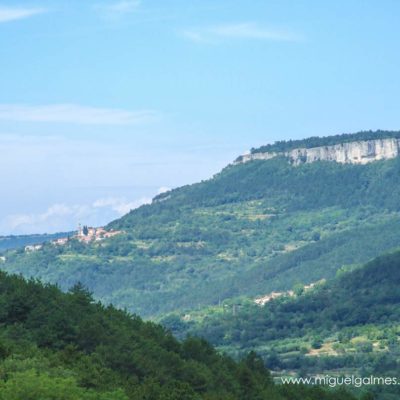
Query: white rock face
[361, 152]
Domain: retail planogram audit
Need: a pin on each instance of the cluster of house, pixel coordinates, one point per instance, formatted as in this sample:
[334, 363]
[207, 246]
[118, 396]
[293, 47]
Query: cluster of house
[33, 247]
[85, 235]
[261, 301]
[89, 234]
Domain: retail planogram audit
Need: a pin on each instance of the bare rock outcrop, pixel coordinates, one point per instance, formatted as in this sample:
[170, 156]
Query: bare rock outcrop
[360, 152]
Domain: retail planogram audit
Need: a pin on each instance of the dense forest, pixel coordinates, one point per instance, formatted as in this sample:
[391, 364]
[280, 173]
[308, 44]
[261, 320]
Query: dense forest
[316, 141]
[64, 346]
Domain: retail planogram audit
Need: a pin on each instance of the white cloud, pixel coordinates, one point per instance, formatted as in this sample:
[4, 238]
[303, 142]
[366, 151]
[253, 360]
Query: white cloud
[77, 169]
[72, 113]
[63, 217]
[120, 204]
[244, 30]
[54, 217]
[117, 9]
[13, 13]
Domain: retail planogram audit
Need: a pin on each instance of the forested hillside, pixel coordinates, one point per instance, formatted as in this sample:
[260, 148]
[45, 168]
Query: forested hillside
[66, 347]
[251, 229]
[349, 324]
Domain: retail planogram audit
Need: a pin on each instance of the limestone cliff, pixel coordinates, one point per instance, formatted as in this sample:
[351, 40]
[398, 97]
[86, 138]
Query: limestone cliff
[359, 152]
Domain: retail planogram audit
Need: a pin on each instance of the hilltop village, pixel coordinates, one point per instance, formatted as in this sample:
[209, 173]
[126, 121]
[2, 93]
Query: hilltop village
[84, 234]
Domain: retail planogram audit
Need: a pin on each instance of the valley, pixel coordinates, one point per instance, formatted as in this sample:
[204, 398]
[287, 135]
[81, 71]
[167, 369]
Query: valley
[299, 238]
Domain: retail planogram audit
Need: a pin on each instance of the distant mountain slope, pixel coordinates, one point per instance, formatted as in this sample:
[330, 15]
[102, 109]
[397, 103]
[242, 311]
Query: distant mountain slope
[366, 295]
[349, 324]
[64, 346]
[251, 229]
[15, 241]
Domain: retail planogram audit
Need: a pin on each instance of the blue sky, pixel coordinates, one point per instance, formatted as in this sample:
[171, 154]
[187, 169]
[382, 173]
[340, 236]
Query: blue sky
[105, 103]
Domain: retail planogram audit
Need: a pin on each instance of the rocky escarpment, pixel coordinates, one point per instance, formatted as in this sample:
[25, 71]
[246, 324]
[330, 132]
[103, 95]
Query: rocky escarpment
[359, 152]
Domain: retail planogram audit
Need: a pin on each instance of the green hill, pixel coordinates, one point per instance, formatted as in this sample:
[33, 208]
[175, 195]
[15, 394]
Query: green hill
[64, 346]
[349, 324]
[251, 229]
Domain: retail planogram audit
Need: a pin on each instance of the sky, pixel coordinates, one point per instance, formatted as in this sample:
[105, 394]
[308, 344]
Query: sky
[104, 104]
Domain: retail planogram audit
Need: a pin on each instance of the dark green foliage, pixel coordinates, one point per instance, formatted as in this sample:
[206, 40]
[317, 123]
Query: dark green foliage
[64, 346]
[306, 187]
